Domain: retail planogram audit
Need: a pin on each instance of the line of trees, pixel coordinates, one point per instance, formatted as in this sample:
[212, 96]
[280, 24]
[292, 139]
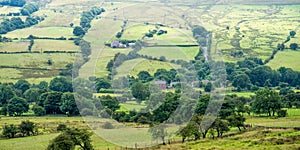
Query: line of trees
[16, 3]
[28, 9]
[15, 23]
[85, 20]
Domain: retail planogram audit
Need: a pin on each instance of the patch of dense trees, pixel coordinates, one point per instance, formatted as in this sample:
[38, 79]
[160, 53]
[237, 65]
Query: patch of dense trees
[16, 3]
[15, 23]
[28, 9]
[55, 98]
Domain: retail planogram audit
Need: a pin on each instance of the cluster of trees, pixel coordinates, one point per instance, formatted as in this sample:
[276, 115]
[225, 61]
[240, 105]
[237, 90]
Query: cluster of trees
[15, 23]
[26, 128]
[251, 74]
[16, 3]
[151, 33]
[85, 20]
[28, 9]
[54, 98]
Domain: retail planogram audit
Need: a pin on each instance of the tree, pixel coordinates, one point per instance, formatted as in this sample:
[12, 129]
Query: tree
[102, 83]
[107, 102]
[144, 76]
[52, 103]
[159, 132]
[17, 106]
[294, 46]
[22, 85]
[208, 87]
[32, 94]
[292, 34]
[6, 93]
[236, 120]
[61, 84]
[78, 31]
[266, 101]
[27, 127]
[140, 91]
[9, 131]
[39, 110]
[221, 126]
[241, 80]
[68, 105]
[70, 138]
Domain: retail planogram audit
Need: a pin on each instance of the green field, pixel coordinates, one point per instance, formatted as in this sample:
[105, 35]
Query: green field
[15, 46]
[32, 67]
[54, 45]
[52, 32]
[171, 53]
[287, 58]
[133, 67]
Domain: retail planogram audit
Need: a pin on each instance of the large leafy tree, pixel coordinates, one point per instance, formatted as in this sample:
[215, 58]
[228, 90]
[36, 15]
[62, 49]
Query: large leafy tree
[22, 85]
[68, 105]
[17, 106]
[102, 83]
[53, 102]
[61, 84]
[159, 132]
[6, 93]
[266, 101]
[32, 94]
[140, 91]
[70, 138]
[242, 81]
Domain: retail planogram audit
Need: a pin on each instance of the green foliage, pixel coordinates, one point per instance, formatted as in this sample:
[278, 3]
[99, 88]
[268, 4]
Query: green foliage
[52, 102]
[17, 106]
[9, 131]
[16, 3]
[68, 104]
[71, 138]
[27, 128]
[266, 101]
[282, 113]
[28, 9]
[102, 83]
[78, 31]
[32, 94]
[159, 132]
[294, 46]
[292, 33]
[6, 93]
[140, 91]
[39, 110]
[22, 85]
[61, 84]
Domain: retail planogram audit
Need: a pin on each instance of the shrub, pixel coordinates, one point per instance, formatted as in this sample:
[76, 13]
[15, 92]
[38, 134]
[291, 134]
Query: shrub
[61, 127]
[282, 113]
[107, 125]
[38, 110]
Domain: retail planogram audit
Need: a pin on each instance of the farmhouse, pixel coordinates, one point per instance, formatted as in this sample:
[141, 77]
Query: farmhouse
[117, 44]
[161, 84]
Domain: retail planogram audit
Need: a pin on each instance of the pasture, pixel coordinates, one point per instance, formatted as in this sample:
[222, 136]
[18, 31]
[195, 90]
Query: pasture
[134, 66]
[54, 45]
[286, 58]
